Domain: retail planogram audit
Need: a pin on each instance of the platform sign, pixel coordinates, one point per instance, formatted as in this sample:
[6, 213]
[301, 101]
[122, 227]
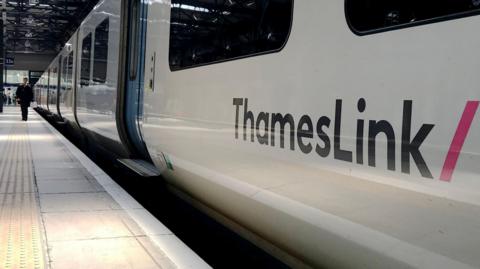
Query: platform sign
[34, 76]
[9, 61]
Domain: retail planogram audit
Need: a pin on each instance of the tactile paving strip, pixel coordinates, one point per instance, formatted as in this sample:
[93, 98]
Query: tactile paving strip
[20, 236]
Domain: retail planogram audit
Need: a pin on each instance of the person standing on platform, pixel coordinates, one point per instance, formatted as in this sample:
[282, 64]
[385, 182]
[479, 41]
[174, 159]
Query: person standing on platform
[14, 98]
[2, 99]
[9, 96]
[24, 97]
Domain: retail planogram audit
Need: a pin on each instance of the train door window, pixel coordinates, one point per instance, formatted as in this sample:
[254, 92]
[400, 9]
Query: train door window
[86, 60]
[372, 16]
[101, 52]
[49, 85]
[70, 71]
[204, 31]
[64, 73]
[53, 83]
[49, 79]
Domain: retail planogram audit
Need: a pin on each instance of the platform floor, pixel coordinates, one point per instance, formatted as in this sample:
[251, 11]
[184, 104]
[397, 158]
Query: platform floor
[59, 210]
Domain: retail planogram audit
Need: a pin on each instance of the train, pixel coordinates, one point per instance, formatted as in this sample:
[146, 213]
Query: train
[332, 134]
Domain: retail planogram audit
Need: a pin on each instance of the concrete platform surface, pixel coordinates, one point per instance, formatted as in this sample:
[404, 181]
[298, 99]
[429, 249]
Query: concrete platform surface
[59, 210]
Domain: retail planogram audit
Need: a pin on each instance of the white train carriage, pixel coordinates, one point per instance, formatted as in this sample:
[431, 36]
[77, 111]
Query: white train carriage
[330, 133]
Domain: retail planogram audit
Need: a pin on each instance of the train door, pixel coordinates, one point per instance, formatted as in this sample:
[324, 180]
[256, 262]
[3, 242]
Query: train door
[47, 103]
[156, 52]
[53, 88]
[130, 112]
[66, 93]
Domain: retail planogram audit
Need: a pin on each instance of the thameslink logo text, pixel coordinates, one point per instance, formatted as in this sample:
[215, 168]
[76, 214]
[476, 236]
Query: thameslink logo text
[265, 127]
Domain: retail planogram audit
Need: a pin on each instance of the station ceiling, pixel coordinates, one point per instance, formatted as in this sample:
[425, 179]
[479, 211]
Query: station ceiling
[42, 26]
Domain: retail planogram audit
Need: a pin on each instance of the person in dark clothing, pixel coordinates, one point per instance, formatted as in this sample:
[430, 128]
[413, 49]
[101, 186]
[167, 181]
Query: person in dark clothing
[24, 97]
[2, 99]
[9, 96]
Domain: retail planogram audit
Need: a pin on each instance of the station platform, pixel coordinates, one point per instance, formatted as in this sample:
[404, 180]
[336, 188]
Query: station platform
[59, 210]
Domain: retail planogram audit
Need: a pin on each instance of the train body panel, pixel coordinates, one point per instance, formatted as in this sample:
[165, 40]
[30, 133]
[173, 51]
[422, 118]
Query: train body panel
[368, 128]
[97, 74]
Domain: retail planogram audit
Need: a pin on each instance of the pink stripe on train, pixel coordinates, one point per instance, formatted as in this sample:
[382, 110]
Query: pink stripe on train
[459, 140]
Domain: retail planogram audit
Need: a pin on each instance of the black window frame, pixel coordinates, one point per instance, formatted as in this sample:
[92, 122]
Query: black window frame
[287, 38]
[453, 16]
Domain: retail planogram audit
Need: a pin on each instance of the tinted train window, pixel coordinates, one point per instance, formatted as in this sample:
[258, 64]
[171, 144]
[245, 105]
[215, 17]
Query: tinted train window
[50, 79]
[368, 16]
[64, 73]
[101, 52]
[67, 72]
[206, 31]
[64, 68]
[86, 60]
[55, 78]
[70, 71]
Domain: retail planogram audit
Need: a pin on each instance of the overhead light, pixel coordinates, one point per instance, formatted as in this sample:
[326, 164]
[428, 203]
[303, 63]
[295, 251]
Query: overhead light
[29, 34]
[30, 20]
